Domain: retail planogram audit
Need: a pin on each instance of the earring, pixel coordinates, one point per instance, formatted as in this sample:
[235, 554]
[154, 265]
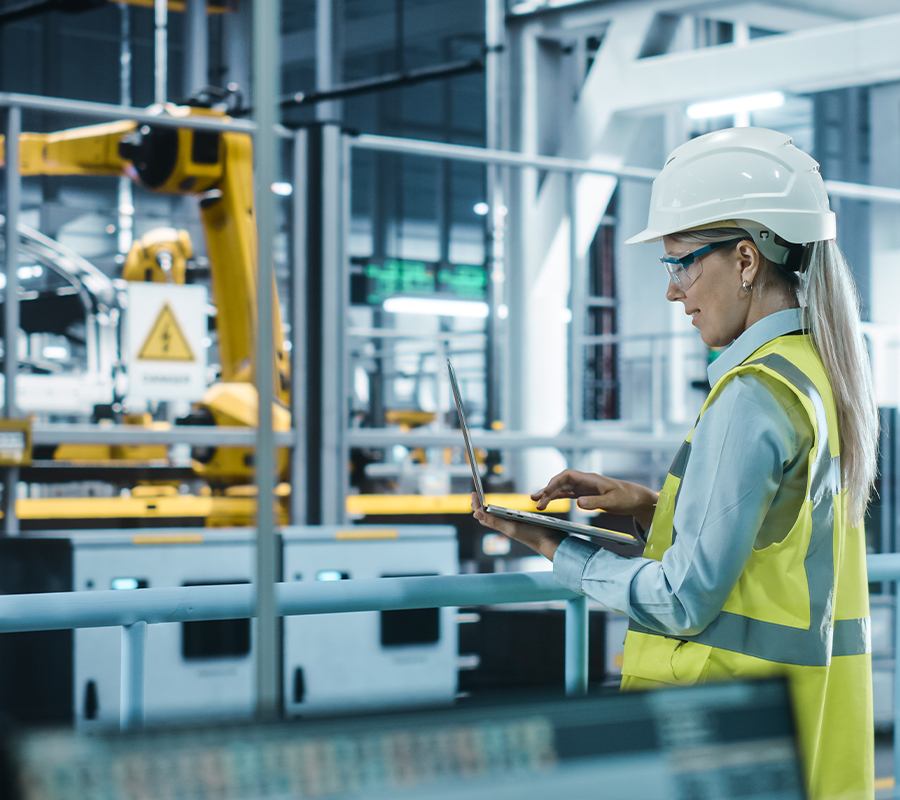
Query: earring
[746, 286]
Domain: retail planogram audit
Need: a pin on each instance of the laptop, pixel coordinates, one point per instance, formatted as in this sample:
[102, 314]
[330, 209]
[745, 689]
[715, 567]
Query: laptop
[601, 535]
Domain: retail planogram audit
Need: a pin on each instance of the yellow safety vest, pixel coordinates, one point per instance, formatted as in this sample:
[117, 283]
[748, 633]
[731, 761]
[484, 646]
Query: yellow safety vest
[800, 608]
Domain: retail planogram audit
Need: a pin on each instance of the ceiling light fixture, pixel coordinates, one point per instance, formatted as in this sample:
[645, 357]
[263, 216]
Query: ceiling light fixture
[436, 306]
[736, 105]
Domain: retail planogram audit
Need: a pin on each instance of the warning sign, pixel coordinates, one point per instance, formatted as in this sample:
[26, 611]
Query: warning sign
[166, 342]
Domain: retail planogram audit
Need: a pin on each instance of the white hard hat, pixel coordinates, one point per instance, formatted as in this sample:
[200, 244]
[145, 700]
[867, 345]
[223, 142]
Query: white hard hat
[751, 178]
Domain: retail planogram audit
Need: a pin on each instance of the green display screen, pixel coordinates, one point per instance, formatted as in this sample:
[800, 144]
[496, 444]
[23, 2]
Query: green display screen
[394, 276]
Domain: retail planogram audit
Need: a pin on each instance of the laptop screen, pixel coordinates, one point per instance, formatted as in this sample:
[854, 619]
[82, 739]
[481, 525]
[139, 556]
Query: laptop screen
[457, 398]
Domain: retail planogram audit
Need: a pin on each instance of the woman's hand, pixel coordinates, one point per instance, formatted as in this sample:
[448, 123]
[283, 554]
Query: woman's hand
[601, 493]
[541, 540]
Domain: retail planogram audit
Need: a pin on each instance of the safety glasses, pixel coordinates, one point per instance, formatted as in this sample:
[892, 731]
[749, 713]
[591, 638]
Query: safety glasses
[686, 269]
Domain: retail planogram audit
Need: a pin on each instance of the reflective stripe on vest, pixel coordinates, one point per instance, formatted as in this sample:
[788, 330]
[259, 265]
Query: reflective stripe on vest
[813, 646]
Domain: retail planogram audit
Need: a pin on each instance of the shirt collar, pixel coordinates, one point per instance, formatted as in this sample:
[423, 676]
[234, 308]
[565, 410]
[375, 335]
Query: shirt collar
[758, 334]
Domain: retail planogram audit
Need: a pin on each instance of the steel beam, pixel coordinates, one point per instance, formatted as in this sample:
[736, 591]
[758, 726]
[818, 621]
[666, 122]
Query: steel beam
[482, 155]
[200, 435]
[109, 111]
[800, 62]
[588, 439]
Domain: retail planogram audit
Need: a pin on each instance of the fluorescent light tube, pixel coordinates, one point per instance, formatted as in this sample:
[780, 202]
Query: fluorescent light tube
[436, 306]
[723, 108]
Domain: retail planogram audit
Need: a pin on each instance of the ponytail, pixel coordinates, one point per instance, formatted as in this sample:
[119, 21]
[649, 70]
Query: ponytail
[831, 314]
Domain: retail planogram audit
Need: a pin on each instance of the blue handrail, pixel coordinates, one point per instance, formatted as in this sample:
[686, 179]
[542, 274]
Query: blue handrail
[133, 610]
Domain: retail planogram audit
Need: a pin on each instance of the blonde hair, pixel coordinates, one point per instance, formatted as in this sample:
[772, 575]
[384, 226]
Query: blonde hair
[826, 289]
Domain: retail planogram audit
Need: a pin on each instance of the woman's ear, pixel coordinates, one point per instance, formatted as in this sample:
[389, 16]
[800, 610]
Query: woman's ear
[749, 261]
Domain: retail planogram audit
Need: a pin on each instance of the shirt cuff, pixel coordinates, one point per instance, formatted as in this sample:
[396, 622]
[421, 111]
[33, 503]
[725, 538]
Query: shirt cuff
[570, 560]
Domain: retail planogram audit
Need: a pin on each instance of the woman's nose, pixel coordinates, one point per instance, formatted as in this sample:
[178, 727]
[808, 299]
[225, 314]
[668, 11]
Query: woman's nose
[674, 292]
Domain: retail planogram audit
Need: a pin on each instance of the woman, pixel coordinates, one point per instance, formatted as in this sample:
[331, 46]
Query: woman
[755, 560]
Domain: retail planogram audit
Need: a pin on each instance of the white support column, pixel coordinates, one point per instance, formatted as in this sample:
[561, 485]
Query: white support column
[884, 217]
[547, 235]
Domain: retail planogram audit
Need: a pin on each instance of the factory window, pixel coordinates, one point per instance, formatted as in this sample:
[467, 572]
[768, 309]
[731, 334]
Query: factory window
[413, 626]
[217, 638]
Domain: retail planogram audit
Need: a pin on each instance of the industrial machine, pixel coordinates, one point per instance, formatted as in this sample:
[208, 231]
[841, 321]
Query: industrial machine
[369, 659]
[206, 669]
[216, 167]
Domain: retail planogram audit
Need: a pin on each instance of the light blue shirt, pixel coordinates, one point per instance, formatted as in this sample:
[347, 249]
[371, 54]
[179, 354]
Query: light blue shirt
[742, 488]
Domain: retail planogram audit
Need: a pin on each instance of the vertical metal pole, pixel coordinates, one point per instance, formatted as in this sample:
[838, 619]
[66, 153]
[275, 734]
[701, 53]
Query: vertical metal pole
[299, 499]
[11, 327]
[131, 693]
[333, 312]
[346, 155]
[161, 70]
[496, 216]
[126, 196]
[576, 646]
[328, 17]
[236, 44]
[196, 73]
[266, 84]
[577, 299]
[897, 692]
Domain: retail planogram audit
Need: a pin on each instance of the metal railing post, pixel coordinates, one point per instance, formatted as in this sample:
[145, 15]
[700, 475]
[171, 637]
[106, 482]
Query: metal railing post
[897, 691]
[131, 695]
[266, 82]
[161, 51]
[11, 326]
[299, 454]
[576, 646]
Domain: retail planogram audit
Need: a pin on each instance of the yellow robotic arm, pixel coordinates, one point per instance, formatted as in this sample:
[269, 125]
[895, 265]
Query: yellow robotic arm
[159, 256]
[217, 167]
